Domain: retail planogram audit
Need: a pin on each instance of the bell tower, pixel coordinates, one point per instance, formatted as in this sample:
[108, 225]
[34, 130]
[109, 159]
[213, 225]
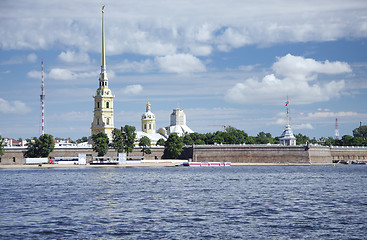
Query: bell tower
[103, 120]
[148, 120]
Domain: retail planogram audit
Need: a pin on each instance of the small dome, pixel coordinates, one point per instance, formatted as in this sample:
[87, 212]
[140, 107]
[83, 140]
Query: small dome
[148, 115]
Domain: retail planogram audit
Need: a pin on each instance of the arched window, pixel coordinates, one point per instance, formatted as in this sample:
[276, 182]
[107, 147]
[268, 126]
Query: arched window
[107, 105]
[145, 126]
[97, 104]
[97, 121]
[108, 121]
[150, 126]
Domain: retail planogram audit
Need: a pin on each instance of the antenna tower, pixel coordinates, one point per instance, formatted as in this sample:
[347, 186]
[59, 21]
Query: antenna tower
[42, 96]
[336, 129]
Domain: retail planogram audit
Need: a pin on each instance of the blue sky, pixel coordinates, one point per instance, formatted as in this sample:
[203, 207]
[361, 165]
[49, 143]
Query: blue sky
[223, 62]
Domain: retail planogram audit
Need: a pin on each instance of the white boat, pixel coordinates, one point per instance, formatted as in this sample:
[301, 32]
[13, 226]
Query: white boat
[206, 164]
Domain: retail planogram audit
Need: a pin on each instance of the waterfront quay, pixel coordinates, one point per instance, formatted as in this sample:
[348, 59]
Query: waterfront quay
[237, 154]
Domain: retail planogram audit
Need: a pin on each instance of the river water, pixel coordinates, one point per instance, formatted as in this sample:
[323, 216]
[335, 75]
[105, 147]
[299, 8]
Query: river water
[249, 202]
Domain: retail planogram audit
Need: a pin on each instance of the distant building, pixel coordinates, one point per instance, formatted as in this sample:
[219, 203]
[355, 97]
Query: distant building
[177, 124]
[148, 127]
[287, 138]
[103, 120]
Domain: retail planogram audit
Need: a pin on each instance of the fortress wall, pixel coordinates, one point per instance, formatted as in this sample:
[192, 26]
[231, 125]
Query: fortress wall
[349, 154]
[251, 154]
[14, 156]
[320, 155]
[221, 153]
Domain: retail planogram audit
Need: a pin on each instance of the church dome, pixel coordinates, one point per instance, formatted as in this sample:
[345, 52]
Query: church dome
[148, 115]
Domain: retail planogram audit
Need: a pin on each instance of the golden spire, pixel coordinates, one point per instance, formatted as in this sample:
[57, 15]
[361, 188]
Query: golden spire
[148, 106]
[103, 64]
[103, 79]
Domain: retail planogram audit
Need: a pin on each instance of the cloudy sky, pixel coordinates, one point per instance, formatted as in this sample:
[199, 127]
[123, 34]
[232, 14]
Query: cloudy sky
[230, 62]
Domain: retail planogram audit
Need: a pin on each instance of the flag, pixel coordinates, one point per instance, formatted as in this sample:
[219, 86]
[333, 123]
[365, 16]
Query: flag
[287, 102]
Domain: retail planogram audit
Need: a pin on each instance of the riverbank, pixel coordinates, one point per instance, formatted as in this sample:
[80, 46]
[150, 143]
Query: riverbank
[143, 164]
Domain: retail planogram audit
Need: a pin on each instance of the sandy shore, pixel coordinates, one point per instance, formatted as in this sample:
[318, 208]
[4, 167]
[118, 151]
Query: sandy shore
[172, 163]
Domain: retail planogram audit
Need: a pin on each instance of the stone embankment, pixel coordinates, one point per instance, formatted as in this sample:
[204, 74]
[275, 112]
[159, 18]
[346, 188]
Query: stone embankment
[237, 154]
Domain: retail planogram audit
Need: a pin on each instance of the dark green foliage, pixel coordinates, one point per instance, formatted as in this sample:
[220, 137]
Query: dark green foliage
[83, 139]
[250, 140]
[1, 146]
[264, 138]
[231, 135]
[46, 145]
[161, 142]
[360, 132]
[144, 143]
[129, 136]
[41, 147]
[118, 140]
[100, 143]
[301, 139]
[173, 147]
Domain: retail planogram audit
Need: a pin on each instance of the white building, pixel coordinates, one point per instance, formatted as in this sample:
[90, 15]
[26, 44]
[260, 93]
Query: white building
[177, 124]
[287, 138]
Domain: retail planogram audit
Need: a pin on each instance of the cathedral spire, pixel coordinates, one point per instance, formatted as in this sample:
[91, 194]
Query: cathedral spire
[103, 60]
[103, 79]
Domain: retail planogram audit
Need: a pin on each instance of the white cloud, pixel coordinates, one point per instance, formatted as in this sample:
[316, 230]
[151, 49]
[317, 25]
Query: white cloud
[14, 107]
[303, 126]
[14, 60]
[67, 74]
[74, 57]
[180, 63]
[163, 28]
[132, 89]
[32, 58]
[298, 82]
[303, 69]
[134, 66]
[61, 74]
[34, 74]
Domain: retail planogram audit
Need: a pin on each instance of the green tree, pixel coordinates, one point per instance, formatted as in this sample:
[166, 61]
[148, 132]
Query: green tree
[301, 139]
[264, 138]
[1, 146]
[144, 143]
[199, 142]
[360, 132]
[118, 140]
[250, 140]
[188, 140]
[46, 145]
[161, 142]
[100, 143]
[83, 139]
[129, 136]
[173, 147]
[234, 136]
[41, 147]
[347, 140]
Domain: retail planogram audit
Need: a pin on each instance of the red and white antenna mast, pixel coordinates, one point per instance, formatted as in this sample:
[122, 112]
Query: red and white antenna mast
[42, 96]
[336, 129]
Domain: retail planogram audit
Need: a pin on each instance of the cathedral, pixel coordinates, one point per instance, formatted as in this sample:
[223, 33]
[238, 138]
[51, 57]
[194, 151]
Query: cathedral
[103, 120]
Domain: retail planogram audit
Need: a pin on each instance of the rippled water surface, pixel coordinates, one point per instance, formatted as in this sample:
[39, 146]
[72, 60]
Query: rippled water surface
[262, 202]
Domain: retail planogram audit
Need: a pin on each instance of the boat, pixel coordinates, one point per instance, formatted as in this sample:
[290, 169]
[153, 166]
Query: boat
[206, 164]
